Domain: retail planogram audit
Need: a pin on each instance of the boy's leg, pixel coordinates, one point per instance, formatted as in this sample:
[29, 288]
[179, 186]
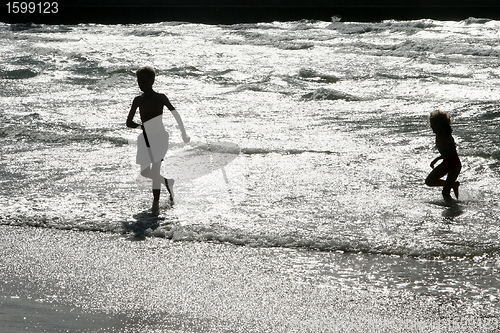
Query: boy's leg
[158, 179]
[149, 172]
[146, 171]
[155, 175]
[156, 201]
[169, 183]
[153, 172]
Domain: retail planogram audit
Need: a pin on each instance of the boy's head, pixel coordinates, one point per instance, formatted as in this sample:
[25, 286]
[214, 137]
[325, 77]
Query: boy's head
[440, 122]
[145, 77]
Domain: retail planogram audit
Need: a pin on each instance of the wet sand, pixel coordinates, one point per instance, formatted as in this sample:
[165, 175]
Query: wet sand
[71, 281]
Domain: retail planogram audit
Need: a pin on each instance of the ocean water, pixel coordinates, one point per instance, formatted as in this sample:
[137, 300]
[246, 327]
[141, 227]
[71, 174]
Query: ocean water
[311, 136]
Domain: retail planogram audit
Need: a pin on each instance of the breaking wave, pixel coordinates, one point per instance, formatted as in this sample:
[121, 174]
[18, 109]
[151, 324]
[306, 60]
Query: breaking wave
[329, 94]
[146, 225]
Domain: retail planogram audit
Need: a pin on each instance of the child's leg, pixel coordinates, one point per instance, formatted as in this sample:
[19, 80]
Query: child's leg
[153, 172]
[451, 183]
[157, 178]
[169, 183]
[146, 171]
[434, 178]
[149, 172]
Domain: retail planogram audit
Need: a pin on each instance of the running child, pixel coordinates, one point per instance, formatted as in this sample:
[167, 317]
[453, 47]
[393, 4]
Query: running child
[441, 125]
[152, 143]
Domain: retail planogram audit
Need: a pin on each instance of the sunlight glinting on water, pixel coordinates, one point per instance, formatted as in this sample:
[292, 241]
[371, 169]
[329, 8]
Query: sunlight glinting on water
[305, 135]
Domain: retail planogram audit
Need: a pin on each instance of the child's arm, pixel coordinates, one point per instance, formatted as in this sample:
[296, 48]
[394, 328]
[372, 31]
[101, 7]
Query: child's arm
[131, 114]
[435, 161]
[177, 117]
[181, 125]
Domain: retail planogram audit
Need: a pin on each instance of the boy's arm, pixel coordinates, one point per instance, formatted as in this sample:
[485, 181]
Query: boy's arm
[167, 103]
[181, 125]
[177, 117]
[131, 114]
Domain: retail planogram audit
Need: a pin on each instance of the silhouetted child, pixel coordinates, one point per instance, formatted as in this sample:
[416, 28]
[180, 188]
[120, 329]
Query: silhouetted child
[152, 143]
[451, 165]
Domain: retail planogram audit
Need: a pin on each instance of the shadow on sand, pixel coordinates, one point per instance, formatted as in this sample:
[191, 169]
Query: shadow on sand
[146, 222]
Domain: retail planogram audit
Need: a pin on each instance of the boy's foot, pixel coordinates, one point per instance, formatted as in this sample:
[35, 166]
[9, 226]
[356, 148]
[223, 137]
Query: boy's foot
[455, 189]
[169, 183]
[156, 207]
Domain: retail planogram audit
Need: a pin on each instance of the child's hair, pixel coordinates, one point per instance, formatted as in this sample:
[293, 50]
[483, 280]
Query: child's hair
[441, 120]
[146, 71]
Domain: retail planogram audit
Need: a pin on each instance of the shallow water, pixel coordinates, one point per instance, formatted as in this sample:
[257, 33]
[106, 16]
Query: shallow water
[305, 135]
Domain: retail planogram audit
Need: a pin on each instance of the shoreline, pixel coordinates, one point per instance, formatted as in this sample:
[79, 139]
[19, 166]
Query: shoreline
[58, 280]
